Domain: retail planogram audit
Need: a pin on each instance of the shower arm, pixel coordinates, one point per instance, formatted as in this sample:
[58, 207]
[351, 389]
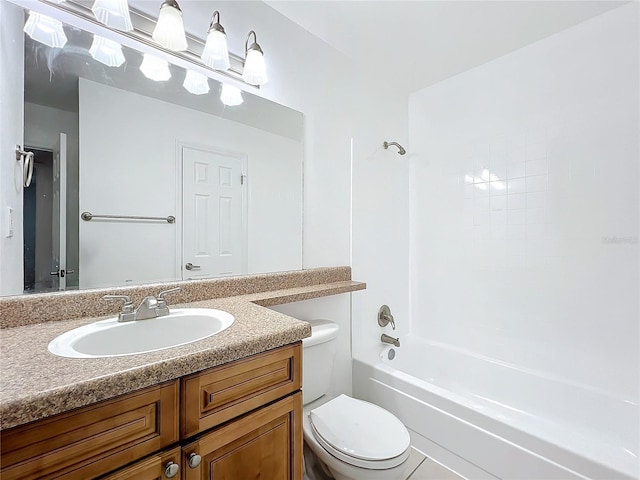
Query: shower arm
[401, 150]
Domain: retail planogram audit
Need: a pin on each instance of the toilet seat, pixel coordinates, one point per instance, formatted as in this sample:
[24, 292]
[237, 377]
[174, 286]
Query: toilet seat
[360, 433]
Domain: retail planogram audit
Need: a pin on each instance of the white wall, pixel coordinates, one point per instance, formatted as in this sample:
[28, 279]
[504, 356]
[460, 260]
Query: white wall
[336, 309]
[129, 167]
[380, 225]
[42, 128]
[543, 273]
[11, 80]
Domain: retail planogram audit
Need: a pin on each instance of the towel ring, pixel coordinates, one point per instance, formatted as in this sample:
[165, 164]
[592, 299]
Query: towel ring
[27, 166]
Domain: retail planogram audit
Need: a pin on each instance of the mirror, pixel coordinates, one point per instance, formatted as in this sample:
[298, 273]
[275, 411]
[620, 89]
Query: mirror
[172, 184]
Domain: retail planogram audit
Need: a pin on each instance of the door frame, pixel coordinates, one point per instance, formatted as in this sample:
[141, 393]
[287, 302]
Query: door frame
[244, 165]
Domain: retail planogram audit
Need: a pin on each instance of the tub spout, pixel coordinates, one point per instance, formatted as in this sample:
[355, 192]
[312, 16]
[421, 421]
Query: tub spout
[388, 339]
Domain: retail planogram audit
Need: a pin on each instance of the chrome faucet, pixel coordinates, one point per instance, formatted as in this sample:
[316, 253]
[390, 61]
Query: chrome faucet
[390, 340]
[150, 307]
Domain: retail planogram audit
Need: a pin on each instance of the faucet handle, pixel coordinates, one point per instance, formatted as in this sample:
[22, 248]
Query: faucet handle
[162, 295]
[127, 306]
[385, 318]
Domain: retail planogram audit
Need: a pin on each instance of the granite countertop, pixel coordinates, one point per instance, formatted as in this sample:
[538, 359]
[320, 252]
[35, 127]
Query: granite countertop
[36, 384]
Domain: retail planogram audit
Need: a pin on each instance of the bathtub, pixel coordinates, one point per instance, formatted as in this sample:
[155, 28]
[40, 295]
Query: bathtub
[488, 419]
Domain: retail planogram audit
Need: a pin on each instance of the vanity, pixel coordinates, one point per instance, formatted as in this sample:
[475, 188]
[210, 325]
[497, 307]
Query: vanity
[227, 407]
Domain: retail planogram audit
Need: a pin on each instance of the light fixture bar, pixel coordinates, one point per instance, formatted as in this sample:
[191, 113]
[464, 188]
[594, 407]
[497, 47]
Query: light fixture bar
[143, 26]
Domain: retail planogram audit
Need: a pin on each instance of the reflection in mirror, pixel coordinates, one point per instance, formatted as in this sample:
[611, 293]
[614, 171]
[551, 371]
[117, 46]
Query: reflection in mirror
[120, 135]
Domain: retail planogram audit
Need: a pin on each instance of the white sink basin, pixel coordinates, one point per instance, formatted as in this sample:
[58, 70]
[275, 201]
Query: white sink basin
[110, 338]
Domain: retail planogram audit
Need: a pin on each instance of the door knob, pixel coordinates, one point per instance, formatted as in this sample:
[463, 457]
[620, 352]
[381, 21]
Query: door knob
[191, 266]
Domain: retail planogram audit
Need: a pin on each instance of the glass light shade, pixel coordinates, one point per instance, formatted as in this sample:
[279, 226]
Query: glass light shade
[169, 31]
[231, 95]
[57, 1]
[106, 51]
[255, 72]
[113, 13]
[196, 83]
[45, 30]
[155, 68]
[216, 52]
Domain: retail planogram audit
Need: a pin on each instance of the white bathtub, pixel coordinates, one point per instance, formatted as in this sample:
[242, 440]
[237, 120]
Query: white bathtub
[488, 419]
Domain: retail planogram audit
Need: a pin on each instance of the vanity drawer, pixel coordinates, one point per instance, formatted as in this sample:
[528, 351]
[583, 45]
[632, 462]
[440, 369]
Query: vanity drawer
[93, 440]
[151, 468]
[217, 395]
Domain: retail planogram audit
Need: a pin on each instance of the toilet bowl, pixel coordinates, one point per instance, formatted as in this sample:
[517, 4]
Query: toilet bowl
[354, 439]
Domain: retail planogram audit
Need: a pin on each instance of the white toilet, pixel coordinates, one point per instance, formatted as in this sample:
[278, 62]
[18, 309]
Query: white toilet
[354, 439]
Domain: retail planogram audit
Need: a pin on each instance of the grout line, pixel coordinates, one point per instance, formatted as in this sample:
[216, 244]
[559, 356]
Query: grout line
[415, 469]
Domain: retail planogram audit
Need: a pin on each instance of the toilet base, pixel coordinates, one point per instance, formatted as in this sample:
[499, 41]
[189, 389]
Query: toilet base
[314, 469]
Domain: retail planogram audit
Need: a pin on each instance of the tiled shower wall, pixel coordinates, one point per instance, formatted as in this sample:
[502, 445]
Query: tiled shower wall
[525, 206]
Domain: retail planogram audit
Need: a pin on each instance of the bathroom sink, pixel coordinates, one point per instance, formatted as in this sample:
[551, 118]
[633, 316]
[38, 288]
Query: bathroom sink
[110, 338]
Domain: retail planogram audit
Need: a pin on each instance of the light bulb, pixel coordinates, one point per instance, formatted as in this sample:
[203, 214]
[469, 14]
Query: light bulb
[231, 95]
[155, 68]
[106, 51]
[45, 30]
[169, 31]
[255, 72]
[216, 52]
[196, 83]
[113, 13]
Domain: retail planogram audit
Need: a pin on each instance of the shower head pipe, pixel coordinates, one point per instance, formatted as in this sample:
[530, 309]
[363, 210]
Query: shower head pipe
[401, 150]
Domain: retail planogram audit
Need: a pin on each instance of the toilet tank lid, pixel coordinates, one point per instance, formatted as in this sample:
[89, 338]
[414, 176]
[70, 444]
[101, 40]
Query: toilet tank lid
[321, 331]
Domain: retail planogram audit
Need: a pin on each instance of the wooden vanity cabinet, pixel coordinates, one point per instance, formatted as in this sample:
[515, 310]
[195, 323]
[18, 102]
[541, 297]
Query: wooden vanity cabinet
[92, 440]
[243, 419]
[265, 444]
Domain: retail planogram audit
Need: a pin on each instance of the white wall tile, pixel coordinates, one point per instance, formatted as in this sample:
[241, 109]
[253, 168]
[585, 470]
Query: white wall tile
[564, 116]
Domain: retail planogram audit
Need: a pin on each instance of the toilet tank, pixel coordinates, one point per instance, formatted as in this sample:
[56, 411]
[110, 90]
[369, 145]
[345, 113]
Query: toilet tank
[319, 351]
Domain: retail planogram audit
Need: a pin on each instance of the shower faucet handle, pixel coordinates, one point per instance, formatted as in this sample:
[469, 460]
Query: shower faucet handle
[385, 318]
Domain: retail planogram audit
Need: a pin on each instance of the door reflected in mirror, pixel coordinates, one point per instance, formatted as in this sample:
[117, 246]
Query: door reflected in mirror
[132, 148]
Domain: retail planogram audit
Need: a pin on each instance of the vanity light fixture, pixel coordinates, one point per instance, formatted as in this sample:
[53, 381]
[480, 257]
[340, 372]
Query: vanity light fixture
[216, 52]
[196, 83]
[113, 13]
[255, 72]
[107, 52]
[45, 30]
[231, 95]
[155, 68]
[169, 31]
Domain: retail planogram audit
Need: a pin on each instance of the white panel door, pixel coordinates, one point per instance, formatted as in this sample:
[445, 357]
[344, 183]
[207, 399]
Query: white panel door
[212, 214]
[59, 215]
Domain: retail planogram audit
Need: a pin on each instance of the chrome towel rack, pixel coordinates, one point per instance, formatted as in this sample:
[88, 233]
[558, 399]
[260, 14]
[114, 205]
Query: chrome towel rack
[87, 216]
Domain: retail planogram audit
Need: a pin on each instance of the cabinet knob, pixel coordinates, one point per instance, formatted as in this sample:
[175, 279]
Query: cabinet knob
[171, 470]
[194, 460]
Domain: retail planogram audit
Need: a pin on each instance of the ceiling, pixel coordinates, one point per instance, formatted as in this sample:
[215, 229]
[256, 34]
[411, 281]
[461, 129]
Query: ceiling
[413, 44]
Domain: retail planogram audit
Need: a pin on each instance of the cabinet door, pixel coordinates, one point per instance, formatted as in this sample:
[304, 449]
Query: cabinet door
[93, 440]
[151, 468]
[265, 444]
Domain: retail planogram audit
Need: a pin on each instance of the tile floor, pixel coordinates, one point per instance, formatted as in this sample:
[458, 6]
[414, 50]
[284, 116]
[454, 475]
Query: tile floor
[423, 468]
